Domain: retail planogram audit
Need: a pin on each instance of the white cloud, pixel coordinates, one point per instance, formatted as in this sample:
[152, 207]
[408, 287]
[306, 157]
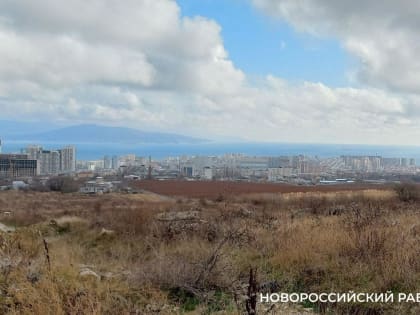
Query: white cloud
[383, 35]
[139, 63]
[64, 61]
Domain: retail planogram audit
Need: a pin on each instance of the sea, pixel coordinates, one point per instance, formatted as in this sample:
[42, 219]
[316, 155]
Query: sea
[94, 151]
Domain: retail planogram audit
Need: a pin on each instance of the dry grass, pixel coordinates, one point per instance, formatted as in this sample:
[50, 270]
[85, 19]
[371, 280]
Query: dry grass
[365, 241]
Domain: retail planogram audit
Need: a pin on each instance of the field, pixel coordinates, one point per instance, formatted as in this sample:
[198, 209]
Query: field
[150, 254]
[197, 189]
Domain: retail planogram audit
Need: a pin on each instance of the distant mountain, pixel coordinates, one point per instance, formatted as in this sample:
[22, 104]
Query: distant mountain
[103, 134]
[12, 128]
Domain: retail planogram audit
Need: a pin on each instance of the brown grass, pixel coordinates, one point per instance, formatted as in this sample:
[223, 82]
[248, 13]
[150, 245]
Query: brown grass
[366, 241]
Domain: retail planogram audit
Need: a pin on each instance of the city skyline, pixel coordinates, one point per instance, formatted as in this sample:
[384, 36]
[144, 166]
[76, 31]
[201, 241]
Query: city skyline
[292, 169]
[35, 160]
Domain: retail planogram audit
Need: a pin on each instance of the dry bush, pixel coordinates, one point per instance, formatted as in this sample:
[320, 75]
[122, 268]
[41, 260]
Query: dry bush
[63, 184]
[191, 266]
[129, 221]
[36, 281]
[407, 192]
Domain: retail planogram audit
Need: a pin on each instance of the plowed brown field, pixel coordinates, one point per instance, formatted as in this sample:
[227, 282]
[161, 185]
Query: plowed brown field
[197, 189]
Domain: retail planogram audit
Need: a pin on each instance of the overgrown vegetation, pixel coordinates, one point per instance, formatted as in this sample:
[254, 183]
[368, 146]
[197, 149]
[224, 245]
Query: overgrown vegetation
[408, 191]
[62, 184]
[141, 254]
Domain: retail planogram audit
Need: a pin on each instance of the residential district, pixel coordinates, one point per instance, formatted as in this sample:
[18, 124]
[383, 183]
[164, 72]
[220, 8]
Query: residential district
[36, 164]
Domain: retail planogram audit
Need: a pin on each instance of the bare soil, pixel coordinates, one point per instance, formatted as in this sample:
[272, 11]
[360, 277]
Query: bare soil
[198, 189]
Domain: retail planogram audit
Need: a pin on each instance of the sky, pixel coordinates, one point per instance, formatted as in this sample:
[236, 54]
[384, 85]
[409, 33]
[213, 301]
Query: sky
[312, 71]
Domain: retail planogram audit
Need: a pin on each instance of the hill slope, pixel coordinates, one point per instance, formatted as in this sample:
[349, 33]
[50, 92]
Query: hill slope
[104, 134]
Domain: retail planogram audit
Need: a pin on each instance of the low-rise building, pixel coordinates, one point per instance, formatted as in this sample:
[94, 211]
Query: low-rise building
[279, 173]
[97, 186]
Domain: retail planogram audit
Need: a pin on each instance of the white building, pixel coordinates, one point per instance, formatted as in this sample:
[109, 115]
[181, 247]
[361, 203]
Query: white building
[279, 173]
[68, 159]
[52, 162]
[97, 186]
[208, 173]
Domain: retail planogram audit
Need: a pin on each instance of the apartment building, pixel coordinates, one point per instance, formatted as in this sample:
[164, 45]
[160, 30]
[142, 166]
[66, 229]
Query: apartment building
[52, 162]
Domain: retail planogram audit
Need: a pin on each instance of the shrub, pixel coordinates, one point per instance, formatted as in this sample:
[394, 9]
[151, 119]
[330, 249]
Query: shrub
[407, 192]
[63, 184]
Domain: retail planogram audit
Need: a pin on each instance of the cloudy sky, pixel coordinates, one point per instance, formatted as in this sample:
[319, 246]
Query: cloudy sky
[268, 70]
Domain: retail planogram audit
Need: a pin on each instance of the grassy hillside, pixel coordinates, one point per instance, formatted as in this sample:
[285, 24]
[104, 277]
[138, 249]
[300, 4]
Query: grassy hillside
[142, 254]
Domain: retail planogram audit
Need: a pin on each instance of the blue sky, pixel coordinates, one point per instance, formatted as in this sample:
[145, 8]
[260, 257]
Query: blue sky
[140, 64]
[261, 45]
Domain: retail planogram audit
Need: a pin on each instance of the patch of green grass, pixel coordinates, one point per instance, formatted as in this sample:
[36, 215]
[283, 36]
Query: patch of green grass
[219, 302]
[187, 300]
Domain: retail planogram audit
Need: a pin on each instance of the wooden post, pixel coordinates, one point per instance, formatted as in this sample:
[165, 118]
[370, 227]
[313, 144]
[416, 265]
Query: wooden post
[251, 302]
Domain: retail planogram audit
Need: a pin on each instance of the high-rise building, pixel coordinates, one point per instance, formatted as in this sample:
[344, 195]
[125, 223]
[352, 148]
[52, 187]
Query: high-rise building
[115, 163]
[279, 161]
[52, 162]
[17, 165]
[49, 162]
[68, 159]
[33, 151]
[364, 163]
[107, 162]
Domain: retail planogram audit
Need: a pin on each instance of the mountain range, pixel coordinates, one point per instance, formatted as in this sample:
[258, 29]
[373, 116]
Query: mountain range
[87, 133]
